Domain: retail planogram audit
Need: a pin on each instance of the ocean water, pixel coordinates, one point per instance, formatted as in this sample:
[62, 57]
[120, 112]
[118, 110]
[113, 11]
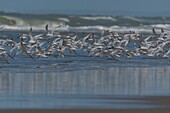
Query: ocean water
[82, 81]
[85, 23]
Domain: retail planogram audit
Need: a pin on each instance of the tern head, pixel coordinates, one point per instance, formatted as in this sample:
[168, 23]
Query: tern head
[153, 31]
[46, 27]
[162, 30]
[30, 32]
[31, 29]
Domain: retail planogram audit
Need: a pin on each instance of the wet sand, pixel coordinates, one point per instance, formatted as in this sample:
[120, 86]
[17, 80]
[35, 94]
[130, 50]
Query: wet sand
[84, 85]
[87, 111]
[119, 89]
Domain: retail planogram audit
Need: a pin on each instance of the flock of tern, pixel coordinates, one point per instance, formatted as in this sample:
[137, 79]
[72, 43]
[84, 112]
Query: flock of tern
[106, 44]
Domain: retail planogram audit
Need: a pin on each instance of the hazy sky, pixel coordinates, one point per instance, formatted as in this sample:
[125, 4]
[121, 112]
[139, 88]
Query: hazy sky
[153, 7]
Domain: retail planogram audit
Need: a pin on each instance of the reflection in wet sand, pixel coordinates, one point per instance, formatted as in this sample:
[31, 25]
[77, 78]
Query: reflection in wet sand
[113, 81]
[114, 87]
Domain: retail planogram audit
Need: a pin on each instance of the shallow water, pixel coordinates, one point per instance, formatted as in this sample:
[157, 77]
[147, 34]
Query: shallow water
[84, 82]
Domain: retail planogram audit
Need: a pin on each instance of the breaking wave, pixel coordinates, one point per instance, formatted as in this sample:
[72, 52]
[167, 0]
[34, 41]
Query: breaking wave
[98, 18]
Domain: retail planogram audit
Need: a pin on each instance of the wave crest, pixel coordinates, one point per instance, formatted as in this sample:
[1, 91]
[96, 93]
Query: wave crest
[98, 18]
